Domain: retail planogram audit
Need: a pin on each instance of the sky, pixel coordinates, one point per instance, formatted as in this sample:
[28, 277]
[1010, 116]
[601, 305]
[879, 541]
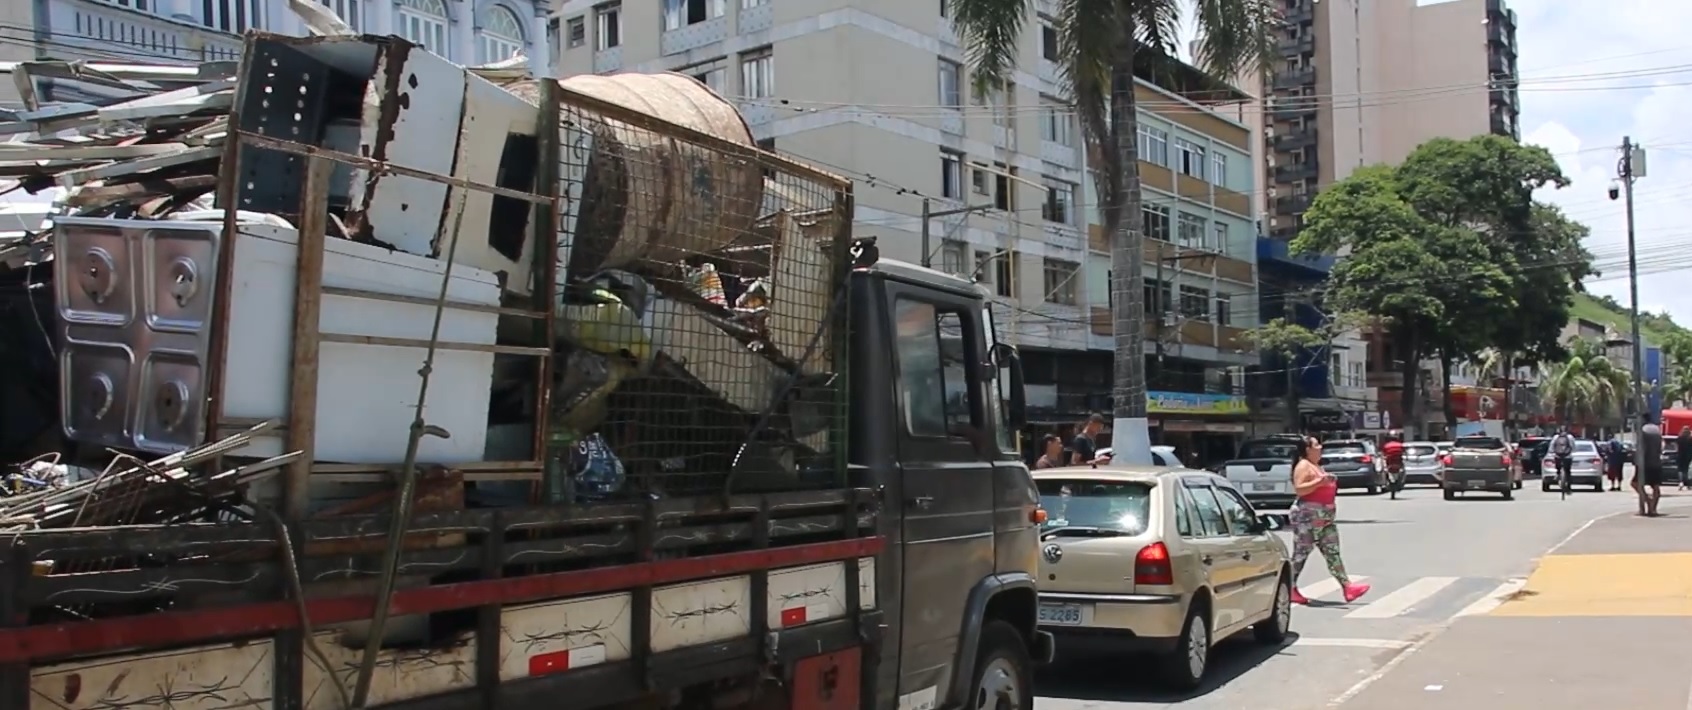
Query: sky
[1594, 71]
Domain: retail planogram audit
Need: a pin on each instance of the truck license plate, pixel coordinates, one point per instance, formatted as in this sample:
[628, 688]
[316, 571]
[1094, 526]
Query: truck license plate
[1060, 614]
[1262, 487]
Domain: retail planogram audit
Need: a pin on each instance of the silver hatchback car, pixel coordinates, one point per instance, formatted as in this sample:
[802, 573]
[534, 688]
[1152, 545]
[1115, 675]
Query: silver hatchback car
[1424, 463]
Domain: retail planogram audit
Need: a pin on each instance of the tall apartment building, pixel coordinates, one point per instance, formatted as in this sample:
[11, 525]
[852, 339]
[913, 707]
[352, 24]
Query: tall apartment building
[191, 31]
[1361, 82]
[880, 91]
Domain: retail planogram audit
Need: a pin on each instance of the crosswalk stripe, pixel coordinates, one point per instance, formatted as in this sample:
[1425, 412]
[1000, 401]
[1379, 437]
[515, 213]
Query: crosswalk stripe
[1327, 586]
[1403, 598]
[1493, 599]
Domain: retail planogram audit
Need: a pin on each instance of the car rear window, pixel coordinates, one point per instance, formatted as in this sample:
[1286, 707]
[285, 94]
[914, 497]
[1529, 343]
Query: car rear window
[1344, 447]
[1268, 450]
[1480, 442]
[1420, 450]
[1110, 505]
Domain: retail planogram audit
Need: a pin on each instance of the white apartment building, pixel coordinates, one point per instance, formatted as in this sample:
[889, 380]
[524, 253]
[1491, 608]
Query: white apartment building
[879, 91]
[190, 31]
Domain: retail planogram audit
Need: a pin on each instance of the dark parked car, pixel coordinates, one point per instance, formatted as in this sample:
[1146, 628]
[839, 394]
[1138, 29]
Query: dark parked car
[1531, 455]
[1354, 463]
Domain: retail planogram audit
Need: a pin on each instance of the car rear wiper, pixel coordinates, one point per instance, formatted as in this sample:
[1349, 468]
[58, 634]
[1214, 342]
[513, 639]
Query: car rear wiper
[1081, 530]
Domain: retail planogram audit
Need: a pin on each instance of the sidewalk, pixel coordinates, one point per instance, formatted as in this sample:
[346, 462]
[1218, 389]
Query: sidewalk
[1605, 622]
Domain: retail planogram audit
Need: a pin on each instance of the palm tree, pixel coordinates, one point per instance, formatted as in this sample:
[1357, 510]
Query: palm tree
[1098, 41]
[1587, 388]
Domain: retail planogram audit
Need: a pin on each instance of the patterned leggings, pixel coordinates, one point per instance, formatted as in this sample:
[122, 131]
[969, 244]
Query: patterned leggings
[1313, 528]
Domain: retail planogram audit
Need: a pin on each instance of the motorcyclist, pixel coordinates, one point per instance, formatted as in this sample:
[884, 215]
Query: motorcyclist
[1393, 452]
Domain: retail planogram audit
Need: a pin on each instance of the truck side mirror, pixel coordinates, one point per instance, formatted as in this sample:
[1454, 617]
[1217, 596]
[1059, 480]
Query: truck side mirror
[1017, 409]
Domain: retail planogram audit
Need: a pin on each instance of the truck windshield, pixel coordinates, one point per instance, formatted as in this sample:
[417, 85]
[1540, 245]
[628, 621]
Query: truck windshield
[1116, 506]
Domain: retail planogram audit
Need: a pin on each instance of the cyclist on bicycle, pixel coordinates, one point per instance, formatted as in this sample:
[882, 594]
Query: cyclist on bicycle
[1393, 452]
[1562, 449]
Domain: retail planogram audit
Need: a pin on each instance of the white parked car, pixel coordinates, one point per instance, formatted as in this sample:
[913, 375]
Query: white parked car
[1161, 455]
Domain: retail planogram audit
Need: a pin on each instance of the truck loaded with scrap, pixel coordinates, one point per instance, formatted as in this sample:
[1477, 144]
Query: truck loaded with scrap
[384, 382]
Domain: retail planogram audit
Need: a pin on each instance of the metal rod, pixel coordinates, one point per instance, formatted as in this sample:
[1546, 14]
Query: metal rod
[310, 238]
[927, 249]
[1633, 307]
[407, 483]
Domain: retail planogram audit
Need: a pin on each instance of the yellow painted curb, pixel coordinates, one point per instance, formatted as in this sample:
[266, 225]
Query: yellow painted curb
[1606, 585]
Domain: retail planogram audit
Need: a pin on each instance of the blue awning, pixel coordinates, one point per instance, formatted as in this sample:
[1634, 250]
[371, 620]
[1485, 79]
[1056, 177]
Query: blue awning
[1275, 254]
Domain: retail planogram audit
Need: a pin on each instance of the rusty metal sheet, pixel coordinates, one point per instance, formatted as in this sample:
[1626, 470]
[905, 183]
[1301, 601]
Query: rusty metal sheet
[412, 109]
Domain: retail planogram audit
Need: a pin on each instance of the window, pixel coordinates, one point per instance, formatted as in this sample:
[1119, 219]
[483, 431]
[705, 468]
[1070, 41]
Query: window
[1156, 219]
[1154, 145]
[424, 22]
[953, 257]
[1189, 230]
[1048, 42]
[1212, 522]
[711, 74]
[1060, 281]
[1120, 507]
[981, 181]
[951, 175]
[682, 13]
[1220, 229]
[1195, 302]
[1157, 297]
[996, 99]
[609, 25]
[1189, 158]
[1184, 513]
[753, 3]
[1219, 169]
[1004, 190]
[350, 12]
[951, 87]
[1238, 512]
[1055, 123]
[501, 37]
[1060, 202]
[1224, 303]
[945, 9]
[578, 32]
[1000, 268]
[934, 379]
[234, 16]
[757, 74]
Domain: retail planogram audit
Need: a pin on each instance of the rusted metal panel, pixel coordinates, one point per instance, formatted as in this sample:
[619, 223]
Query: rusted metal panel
[830, 681]
[412, 109]
[308, 312]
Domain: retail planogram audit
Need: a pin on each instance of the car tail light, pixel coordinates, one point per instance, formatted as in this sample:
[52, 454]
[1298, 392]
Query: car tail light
[1506, 458]
[1152, 566]
[1446, 459]
[1366, 458]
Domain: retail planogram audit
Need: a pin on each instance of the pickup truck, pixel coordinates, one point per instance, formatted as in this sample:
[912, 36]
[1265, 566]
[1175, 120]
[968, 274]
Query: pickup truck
[1481, 463]
[1263, 471]
[892, 567]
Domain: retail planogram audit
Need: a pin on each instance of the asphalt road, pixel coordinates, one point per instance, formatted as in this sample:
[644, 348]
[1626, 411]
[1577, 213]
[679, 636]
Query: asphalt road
[1429, 562]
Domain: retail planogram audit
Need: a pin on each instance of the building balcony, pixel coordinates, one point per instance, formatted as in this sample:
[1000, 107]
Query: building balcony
[1296, 47]
[1303, 14]
[1293, 204]
[1293, 140]
[1284, 80]
[105, 30]
[1295, 172]
[1293, 111]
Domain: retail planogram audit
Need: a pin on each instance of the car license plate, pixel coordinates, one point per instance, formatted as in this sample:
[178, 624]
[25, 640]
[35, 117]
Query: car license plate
[1060, 614]
[1477, 484]
[1262, 487]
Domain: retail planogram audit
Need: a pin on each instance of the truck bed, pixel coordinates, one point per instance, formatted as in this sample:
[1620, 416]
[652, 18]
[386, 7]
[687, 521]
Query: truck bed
[517, 603]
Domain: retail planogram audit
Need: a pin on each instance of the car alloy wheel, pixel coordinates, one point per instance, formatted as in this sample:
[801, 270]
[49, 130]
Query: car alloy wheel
[1198, 647]
[998, 690]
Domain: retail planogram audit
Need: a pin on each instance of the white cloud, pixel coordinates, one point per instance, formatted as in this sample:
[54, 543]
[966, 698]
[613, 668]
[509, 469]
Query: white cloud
[1592, 73]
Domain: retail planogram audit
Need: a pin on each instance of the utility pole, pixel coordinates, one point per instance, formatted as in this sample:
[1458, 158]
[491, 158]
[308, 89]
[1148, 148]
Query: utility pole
[1632, 166]
[928, 214]
[1162, 308]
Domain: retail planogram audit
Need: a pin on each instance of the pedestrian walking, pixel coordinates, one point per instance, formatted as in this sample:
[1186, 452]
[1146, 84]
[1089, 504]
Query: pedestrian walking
[1084, 448]
[1649, 482]
[1683, 454]
[1615, 457]
[1314, 523]
[1051, 452]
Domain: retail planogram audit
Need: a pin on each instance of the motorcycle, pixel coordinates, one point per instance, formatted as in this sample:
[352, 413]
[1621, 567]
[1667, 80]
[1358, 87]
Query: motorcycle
[1395, 477]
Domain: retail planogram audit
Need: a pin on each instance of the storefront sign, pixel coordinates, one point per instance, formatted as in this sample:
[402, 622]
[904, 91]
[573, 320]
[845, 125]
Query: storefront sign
[1327, 420]
[1191, 403]
[1206, 427]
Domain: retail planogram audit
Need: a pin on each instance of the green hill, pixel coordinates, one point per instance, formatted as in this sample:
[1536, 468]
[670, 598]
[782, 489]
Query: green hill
[1603, 309]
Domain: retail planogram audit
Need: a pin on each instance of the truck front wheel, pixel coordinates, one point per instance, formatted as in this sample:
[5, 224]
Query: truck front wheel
[1004, 678]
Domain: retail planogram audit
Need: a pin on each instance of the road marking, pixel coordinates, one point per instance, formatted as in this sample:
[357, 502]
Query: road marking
[1328, 586]
[1485, 605]
[1351, 643]
[1401, 599]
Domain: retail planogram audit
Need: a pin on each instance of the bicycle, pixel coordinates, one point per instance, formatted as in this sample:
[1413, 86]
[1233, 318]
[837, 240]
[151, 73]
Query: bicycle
[1564, 465]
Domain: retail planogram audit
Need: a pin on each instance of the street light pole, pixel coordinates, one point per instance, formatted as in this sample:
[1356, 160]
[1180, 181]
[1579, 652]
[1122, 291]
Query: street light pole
[929, 214]
[1626, 172]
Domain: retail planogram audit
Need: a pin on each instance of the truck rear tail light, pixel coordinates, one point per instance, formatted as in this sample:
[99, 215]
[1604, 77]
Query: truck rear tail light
[1152, 566]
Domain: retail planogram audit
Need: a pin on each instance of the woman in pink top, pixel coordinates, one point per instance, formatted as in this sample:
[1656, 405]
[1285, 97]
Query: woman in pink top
[1313, 519]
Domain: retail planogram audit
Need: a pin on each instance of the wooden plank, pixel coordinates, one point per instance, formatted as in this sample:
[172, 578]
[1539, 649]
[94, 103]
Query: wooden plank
[308, 308]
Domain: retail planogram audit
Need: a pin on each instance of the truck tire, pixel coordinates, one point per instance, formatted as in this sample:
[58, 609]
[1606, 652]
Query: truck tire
[1004, 674]
[1183, 668]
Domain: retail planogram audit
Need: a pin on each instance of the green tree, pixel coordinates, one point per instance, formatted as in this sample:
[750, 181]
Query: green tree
[1100, 44]
[1416, 275]
[1587, 388]
[1287, 340]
